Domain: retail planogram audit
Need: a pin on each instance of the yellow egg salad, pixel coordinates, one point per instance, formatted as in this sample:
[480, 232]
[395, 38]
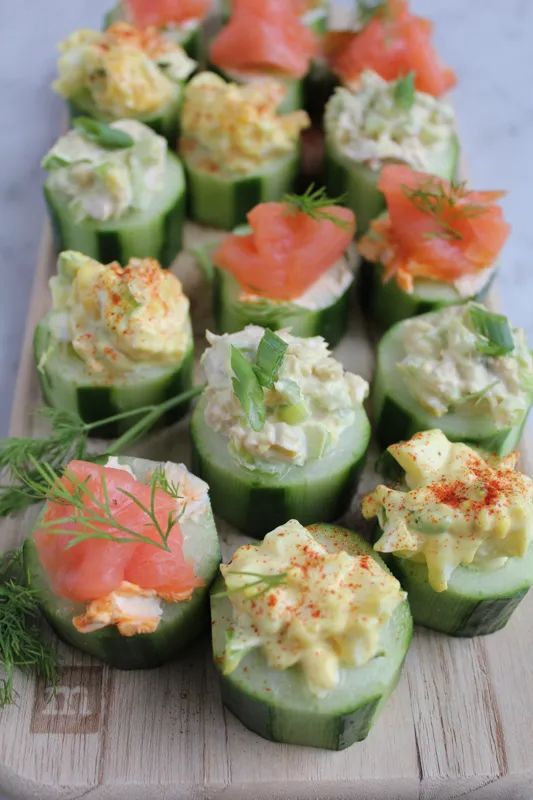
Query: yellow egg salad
[123, 71]
[235, 129]
[457, 507]
[117, 318]
[303, 605]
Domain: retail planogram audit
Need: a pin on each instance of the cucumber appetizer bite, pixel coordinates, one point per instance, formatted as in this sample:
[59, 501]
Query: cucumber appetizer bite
[377, 122]
[280, 430]
[459, 531]
[237, 150]
[291, 268]
[310, 631]
[180, 19]
[462, 369]
[387, 38]
[125, 72]
[117, 339]
[115, 192]
[122, 557]
[436, 246]
[266, 39]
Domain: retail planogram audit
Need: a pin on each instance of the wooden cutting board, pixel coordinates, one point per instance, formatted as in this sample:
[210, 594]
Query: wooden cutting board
[460, 723]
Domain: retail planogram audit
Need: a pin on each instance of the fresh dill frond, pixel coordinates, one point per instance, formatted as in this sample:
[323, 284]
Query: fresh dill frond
[313, 202]
[436, 200]
[263, 583]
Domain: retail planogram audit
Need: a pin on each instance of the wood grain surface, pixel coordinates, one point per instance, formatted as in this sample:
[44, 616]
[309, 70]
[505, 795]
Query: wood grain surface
[460, 723]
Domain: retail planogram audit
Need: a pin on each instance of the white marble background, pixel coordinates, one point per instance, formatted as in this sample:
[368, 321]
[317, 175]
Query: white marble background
[488, 42]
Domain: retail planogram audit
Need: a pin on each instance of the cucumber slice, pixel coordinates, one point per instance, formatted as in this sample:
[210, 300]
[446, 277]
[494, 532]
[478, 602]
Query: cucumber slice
[477, 602]
[397, 415]
[359, 182]
[165, 121]
[66, 384]
[255, 503]
[188, 36]
[224, 202]
[294, 87]
[277, 704]
[387, 304]
[155, 232]
[232, 314]
[180, 623]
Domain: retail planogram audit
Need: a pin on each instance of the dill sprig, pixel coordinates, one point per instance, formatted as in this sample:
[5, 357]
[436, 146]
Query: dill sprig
[21, 482]
[22, 645]
[436, 200]
[313, 202]
[268, 582]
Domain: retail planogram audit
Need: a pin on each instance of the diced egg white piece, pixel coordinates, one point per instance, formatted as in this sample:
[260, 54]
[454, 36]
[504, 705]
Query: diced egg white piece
[133, 610]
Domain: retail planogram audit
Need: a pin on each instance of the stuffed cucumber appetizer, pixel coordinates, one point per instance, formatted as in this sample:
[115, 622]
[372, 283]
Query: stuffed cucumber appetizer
[122, 557]
[125, 73]
[238, 151]
[379, 122]
[310, 631]
[115, 192]
[436, 246]
[291, 268]
[280, 430]
[459, 532]
[462, 369]
[266, 39]
[117, 339]
[179, 19]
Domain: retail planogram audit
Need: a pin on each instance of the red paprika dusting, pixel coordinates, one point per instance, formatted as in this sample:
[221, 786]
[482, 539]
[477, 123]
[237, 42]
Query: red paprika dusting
[363, 563]
[450, 494]
[272, 600]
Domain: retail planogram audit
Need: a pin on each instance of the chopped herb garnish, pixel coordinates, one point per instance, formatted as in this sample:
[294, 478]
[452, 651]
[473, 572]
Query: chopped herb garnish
[475, 397]
[54, 162]
[436, 200]
[368, 9]
[313, 202]
[102, 134]
[248, 390]
[263, 583]
[404, 92]
[496, 335]
[269, 358]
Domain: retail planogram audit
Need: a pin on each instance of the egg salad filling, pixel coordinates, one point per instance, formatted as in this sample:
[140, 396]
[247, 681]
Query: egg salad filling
[130, 608]
[449, 367]
[370, 124]
[124, 71]
[117, 318]
[306, 606]
[457, 507]
[101, 183]
[311, 403]
[234, 129]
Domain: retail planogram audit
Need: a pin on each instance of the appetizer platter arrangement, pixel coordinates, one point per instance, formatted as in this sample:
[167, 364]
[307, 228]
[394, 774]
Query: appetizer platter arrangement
[267, 515]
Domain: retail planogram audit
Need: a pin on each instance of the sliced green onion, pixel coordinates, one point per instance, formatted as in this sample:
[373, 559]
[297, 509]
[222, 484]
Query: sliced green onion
[495, 332]
[51, 161]
[269, 358]
[102, 134]
[247, 389]
[404, 91]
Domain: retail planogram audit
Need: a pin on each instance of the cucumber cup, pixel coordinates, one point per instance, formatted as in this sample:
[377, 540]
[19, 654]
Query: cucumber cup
[295, 88]
[278, 705]
[181, 622]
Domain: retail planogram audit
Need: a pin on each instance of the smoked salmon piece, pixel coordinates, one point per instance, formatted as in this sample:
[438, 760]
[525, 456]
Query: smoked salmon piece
[144, 13]
[287, 250]
[434, 229]
[264, 36]
[394, 43]
[95, 567]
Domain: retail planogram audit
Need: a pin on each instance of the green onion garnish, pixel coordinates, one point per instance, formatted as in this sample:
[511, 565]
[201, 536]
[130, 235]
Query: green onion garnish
[250, 378]
[496, 336]
[102, 134]
[404, 91]
[269, 358]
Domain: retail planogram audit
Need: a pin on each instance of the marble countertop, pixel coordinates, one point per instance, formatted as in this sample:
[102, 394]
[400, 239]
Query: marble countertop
[488, 42]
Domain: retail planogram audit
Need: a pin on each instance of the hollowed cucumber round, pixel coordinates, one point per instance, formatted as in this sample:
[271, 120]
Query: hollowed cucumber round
[155, 232]
[181, 622]
[278, 705]
[256, 503]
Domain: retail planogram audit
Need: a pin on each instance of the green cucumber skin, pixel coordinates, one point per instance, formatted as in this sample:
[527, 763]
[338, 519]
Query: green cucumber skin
[224, 203]
[386, 304]
[396, 419]
[93, 402]
[191, 40]
[156, 235]
[280, 709]
[180, 624]
[294, 98]
[232, 315]
[454, 611]
[359, 183]
[258, 503]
